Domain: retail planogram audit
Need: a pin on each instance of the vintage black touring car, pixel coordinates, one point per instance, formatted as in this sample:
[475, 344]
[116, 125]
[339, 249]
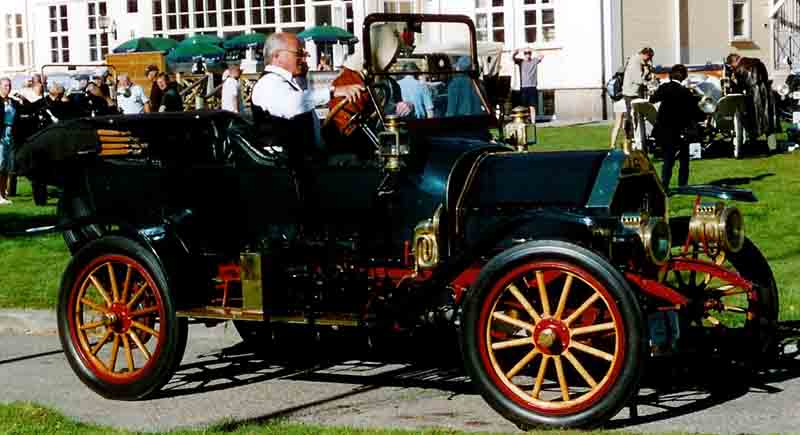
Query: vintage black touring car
[562, 272]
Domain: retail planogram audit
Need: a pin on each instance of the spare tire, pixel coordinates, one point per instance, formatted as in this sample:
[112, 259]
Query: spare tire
[71, 208]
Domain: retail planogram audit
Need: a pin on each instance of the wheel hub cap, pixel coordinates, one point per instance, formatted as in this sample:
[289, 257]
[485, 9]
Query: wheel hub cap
[551, 336]
[118, 318]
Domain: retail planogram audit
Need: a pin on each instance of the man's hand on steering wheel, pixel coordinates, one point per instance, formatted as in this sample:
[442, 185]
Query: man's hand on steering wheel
[351, 93]
[404, 108]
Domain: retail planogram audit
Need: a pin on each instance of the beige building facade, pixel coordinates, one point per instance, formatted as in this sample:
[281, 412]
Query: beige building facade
[703, 31]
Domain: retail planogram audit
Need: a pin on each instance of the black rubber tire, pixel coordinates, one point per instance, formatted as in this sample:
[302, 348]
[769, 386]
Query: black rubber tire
[751, 264]
[71, 207]
[167, 356]
[618, 393]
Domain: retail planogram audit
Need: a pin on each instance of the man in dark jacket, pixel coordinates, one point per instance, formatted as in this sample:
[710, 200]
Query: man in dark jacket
[171, 100]
[751, 78]
[677, 111]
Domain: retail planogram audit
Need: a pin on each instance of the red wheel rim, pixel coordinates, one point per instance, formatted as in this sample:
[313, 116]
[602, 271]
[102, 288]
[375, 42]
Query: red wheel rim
[551, 337]
[114, 309]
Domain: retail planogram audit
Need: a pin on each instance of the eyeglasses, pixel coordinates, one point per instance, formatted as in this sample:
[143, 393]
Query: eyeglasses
[297, 53]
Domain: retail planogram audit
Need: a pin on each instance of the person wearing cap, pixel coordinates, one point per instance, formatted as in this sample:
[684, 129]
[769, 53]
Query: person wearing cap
[416, 92]
[130, 96]
[529, 84]
[637, 71]
[151, 72]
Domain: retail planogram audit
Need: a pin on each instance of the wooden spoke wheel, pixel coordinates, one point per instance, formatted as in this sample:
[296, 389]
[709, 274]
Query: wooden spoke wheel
[553, 340]
[117, 320]
[734, 320]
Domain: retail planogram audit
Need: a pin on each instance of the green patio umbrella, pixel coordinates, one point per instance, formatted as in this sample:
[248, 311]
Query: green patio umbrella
[246, 40]
[188, 52]
[327, 34]
[205, 39]
[137, 45]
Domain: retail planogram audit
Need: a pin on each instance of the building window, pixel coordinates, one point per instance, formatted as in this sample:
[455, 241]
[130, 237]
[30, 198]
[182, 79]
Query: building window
[205, 13]
[15, 42]
[348, 21]
[133, 6]
[398, 6]
[740, 20]
[263, 12]
[540, 21]
[59, 37]
[98, 38]
[490, 20]
[293, 12]
[233, 13]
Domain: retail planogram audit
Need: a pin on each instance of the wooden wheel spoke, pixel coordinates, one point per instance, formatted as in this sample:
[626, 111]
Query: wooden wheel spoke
[137, 295]
[526, 341]
[562, 380]
[524, 302]
[144, 311]
[101, 290]
[580, 369]
[93, 305]
[510, 320]
[562, 301]
[139, 344]
[128, 353]
[609, 326]
[144, 328]
[126, 284]
[112, 363]
[733, 291]
[522, 363]
[537, 386]
[93, 325]
[102, 342]
[582, 308]
[543, 293]
[592, 351]
[113, 279]
[735, 309]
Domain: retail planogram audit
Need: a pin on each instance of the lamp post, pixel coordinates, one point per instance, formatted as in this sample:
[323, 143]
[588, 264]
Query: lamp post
[107, 23]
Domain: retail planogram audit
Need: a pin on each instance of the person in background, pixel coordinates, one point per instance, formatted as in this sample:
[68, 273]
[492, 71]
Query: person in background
[462, 100]
[324, 63]
[57, 102]
[529, 85]
[155, 92]
[131, 97]
[100, 81]
[232, 91]
[637, 71]
[416, 92]
[8, 111]
[619, 119]
[33, 90]
[750, 77]
[677, 111]
[170, 98]
[97, 104]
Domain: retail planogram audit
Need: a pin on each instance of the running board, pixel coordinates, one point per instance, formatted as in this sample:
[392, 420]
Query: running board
[322, 319]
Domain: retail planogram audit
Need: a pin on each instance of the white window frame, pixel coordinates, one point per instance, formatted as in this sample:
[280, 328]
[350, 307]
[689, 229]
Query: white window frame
[59, 34]
[490, 11]
[99, 50]
[747, 27]
[539, 8]
[14, 39]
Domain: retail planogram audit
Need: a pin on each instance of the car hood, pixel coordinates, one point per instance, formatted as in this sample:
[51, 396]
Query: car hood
[512, 179]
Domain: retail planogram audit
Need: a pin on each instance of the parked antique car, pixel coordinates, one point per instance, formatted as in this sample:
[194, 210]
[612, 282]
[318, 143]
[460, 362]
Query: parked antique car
[788, 101]
[725, 127]
[562, 272]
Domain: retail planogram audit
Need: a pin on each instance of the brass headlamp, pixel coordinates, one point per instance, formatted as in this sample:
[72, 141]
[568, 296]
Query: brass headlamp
[393, 142]
[654, 233]
[520, 132]
[718, 226]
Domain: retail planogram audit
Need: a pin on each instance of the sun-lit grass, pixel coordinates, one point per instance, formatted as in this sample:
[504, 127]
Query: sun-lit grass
[31, 419]
[30, 267]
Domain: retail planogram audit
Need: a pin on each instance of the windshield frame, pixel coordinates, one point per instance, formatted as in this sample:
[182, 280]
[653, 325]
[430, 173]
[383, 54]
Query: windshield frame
[417, 18]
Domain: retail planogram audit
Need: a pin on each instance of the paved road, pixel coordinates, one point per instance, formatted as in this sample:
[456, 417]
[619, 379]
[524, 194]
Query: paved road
[221, 381]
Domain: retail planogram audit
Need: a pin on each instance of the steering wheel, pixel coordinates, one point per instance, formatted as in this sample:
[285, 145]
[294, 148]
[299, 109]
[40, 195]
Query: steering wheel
[382, 92]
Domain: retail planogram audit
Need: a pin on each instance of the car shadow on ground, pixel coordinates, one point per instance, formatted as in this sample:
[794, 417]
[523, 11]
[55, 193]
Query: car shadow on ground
[740, 181]
[697, 385]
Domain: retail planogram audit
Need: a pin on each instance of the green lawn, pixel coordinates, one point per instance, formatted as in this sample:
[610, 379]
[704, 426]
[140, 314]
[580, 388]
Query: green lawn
[30, 419]
[30, 267]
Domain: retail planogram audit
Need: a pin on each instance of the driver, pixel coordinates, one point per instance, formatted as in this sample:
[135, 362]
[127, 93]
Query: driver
[277, 92]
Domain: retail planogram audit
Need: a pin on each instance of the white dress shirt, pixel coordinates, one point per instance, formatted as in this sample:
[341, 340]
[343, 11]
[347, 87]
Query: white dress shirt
[232, 95]
[277, 93]
[134, 103]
